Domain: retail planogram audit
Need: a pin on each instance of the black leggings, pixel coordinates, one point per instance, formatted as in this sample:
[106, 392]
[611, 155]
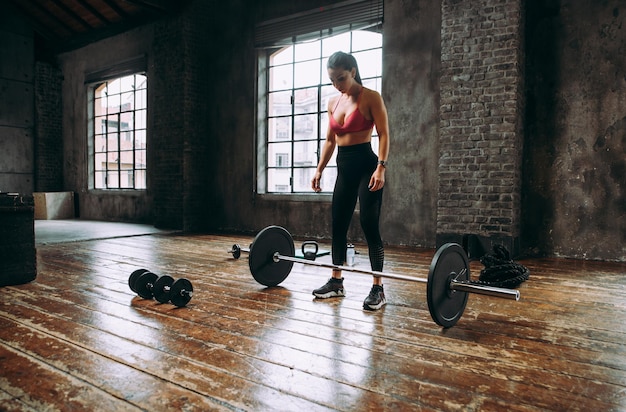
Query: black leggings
[355, 166]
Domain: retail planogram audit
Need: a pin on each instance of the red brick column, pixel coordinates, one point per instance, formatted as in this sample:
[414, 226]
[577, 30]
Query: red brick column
[481, 118]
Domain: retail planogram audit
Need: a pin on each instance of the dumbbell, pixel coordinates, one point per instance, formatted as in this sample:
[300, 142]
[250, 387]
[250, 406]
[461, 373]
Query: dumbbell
[163, 288]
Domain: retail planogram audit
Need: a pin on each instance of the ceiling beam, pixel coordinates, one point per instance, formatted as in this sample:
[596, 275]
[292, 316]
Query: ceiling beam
[72, 14]
[156, 5]
[116, 8]
[94, 11]
[52, 17]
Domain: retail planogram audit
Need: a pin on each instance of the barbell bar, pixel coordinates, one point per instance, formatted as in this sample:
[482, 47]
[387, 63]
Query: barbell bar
[272, 255]
[455, 284]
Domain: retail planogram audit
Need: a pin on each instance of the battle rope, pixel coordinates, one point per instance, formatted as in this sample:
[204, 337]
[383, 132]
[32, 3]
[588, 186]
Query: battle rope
[501, 271]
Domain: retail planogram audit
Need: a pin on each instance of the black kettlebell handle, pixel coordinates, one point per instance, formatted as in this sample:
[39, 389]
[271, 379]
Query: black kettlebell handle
[310, 255]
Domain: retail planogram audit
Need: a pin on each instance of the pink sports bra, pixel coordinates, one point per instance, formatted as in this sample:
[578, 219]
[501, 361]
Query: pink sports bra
[354, 122]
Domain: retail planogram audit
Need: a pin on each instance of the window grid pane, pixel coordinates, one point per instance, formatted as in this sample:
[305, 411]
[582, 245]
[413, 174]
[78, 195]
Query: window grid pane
[119, 133]
[298, 92]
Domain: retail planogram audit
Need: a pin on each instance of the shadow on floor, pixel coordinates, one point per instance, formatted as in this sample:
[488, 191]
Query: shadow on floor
[74, 230]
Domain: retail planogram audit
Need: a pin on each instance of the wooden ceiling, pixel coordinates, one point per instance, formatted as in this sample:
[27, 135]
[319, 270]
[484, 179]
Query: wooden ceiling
[64, 25]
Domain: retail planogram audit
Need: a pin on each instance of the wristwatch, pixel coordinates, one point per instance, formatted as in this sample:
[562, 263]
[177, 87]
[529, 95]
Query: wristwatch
[383, 163]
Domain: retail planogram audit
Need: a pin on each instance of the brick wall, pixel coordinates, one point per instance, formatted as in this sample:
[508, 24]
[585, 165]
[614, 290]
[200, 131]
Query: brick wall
[48, 128]
[166, 140]
[199, 105]
[193, 92]
[480, 119]
[183, 65]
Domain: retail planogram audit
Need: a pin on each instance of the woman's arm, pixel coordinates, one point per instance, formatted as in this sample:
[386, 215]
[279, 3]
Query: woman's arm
[379, 114]
[327, 151]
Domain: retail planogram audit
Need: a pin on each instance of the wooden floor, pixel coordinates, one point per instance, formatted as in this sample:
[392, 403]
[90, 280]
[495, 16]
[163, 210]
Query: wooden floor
[77, 339]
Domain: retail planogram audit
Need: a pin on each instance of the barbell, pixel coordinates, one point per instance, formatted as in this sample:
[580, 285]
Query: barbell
[272, 255]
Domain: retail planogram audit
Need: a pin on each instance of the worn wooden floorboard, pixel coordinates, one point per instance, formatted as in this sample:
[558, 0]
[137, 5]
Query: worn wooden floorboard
[240, 346]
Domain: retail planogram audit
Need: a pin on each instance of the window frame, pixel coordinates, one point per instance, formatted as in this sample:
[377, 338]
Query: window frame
[277, 32]
[263, 143]
[93, 82]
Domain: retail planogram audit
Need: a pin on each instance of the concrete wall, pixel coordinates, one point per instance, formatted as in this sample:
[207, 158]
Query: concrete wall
[133, 206]
[575, 153]
[17, 116]
[411, 65]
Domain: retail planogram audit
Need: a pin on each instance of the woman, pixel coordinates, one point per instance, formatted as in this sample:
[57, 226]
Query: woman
[360, 173]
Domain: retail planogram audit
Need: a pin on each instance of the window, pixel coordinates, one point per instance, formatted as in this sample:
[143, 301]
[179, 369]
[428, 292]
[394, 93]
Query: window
[296, 97]
[294, 89]
[118, 133]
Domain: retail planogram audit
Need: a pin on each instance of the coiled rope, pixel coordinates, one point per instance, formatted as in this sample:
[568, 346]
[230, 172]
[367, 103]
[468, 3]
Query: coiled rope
[501, 271]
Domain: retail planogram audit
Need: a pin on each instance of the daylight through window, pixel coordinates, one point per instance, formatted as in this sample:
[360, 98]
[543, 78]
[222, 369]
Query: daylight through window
[119, 133]
[297, 94]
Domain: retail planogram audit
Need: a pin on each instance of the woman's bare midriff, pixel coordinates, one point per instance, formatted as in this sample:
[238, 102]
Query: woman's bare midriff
[350, 139]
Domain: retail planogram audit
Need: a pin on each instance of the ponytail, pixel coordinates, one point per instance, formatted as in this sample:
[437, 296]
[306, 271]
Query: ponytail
[341, 60]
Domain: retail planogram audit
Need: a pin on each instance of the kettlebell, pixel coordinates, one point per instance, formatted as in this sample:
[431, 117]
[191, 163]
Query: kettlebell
[308, 254]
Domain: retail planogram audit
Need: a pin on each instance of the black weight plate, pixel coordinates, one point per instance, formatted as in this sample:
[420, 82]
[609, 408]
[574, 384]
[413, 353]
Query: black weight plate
[446, 306]
[143, 285]
[161, 289]
[268, 241]
[133, 278]
[236, 251]
[181, 292]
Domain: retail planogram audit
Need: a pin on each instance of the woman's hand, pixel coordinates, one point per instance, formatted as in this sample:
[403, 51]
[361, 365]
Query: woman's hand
[315, 182]
[377, 181]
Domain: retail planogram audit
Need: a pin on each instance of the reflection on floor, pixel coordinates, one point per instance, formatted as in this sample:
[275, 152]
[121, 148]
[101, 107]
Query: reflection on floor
[74, 230]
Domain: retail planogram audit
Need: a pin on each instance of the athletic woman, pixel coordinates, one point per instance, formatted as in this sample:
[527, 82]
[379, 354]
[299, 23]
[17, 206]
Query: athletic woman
[360, 172]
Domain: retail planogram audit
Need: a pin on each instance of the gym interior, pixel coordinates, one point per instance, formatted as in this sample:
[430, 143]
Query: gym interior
[507, 128]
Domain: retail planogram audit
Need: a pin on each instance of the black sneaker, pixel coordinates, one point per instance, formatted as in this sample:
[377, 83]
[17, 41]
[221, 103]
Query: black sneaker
[332, 288]
[376, 299]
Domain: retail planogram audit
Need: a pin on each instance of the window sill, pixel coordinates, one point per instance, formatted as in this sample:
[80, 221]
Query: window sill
[117, 192]
[296, 197]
